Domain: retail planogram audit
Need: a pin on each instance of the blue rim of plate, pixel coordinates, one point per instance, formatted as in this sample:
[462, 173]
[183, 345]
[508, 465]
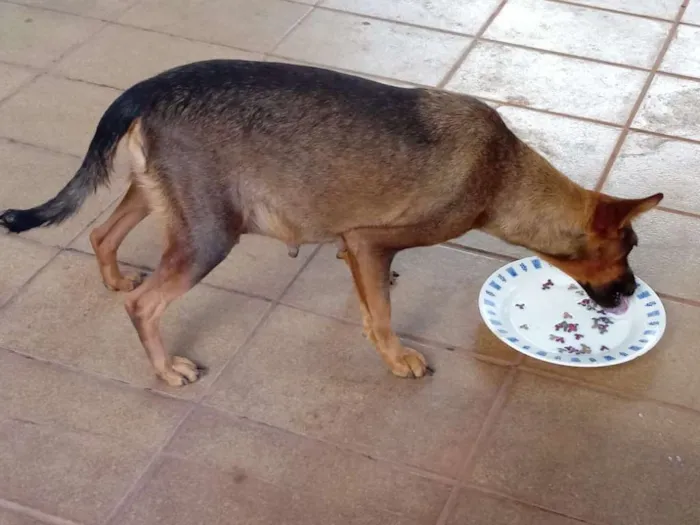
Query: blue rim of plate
[653, 309]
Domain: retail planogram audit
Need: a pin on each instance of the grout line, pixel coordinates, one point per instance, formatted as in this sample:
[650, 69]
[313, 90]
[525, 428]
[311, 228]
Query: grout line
[143, 477]
[144, 268]
[403, 467]
[582, 118]
[40, 147]
[508, 258]
[665, 135]
[684, 213]
[604, 389]
[404, 23]
[472, 44]
[275, 56]
[48, 519]
[640, 99]
[427, 343]
[611, 10]
[564, 54]
[486, 429]
[96, 375]
[512, 498]
[489, 426]
[262, 321]
[291, 30]
[37, 74]
[57, 74]
[317, 4]
[478, 251]
[681, 76]
[26, 283]
[681, 300]
[69, 13]
[224, 367]
[477, 37]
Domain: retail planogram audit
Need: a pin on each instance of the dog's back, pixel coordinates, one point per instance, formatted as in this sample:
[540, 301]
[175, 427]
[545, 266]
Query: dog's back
[308, 153]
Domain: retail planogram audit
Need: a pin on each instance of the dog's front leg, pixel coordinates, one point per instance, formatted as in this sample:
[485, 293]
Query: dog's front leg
[370, 270]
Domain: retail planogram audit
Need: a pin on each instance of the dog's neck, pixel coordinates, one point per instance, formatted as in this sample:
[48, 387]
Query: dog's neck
[540, 209]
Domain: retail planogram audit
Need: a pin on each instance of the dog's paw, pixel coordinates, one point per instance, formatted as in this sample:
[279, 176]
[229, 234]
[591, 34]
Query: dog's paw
[126, 283]
[410, 363]
[182, 372]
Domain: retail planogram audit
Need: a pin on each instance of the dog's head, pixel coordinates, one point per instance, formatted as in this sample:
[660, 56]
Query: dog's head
[600, 263]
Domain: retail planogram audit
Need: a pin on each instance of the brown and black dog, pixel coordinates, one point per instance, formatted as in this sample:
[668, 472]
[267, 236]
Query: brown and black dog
[305, 155]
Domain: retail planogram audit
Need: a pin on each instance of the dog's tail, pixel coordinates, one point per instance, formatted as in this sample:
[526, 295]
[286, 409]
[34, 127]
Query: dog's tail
[93, 172]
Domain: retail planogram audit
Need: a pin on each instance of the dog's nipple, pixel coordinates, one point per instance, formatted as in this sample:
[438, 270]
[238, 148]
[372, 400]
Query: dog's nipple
[293, 250]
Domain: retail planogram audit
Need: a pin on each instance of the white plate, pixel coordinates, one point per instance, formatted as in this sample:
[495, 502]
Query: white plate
[540, 311]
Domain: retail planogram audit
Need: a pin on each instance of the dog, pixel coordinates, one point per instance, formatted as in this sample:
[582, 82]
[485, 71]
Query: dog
[222, 148]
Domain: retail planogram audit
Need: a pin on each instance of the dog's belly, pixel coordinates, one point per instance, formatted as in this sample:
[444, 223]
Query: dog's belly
[263, 220]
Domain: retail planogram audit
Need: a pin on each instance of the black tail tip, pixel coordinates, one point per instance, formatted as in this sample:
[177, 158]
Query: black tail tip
[17, 221]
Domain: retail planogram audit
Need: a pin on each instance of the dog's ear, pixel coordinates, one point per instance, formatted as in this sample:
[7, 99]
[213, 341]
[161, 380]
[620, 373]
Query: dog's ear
[611, 214]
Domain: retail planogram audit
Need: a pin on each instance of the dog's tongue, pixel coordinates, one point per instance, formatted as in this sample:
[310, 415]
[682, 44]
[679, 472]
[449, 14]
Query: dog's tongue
[621, 308]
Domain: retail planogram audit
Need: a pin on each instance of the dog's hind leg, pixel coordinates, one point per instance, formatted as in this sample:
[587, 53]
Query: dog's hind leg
[370, 266]
[107, 238]
[187, 259]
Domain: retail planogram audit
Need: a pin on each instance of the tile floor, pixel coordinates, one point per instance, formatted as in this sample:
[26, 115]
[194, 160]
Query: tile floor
[297, 421]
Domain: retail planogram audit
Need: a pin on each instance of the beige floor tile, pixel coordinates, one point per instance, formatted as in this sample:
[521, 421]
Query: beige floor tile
[658, 8]
[256, 26]
[435, 297]
[326, 381]
[36, 37]
[20, 260]
[567, 29]
[257, 265]
[104, 9]
[8, 517]
[32, 175]
[668, 255]
[374, 47]
[670, 107]
[692, 13]
[66, 315]
[661, 374]
[12, 77]
[344, 480]
[182, 492]
[577, 148]
[461, 17]
[76, 476]
[48, 394]
[135, 54]
[566, 85]
[683, 57]
[594, 456]
[475, 508]
[648, 164]
[56, 113]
